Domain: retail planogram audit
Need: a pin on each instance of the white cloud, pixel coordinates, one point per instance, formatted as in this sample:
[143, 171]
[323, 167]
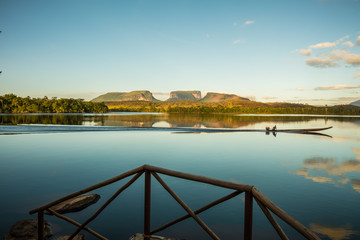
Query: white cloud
[348, 43]
[236, 41]
[342, 39]
[321, 62]
[337, 87]
[249, 22]
[304, 52]
[357, 75]
[329, 44]
[349, 58]
[323, 45]
[357, 43]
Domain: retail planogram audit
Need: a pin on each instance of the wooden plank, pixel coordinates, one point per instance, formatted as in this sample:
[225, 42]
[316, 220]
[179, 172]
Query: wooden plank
[248, 216]
[200, 210]
[105, 205]
[86, 190]
[197, 219]
[284, 216]
[41, 225]
[197, 178]
[76, 224]
[147, 205]
[272, 220]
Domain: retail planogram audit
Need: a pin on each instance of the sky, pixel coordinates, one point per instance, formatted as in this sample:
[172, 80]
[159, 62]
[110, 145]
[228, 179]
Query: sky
[304, 51]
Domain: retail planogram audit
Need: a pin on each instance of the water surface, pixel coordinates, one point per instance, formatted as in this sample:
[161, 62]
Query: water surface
[316, 179]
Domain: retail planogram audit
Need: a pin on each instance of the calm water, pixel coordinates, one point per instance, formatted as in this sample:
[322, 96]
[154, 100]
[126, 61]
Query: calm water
[316, 179]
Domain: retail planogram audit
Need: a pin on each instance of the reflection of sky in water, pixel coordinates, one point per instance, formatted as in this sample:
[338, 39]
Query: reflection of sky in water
[315, 179]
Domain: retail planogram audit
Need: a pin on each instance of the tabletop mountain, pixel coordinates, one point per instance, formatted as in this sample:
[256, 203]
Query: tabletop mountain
[356, 103]
[125, 96]
[213, 97]
[184, 95]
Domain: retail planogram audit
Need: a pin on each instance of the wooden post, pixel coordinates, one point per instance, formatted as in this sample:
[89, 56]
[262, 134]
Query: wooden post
[147, 205]
[248, 216]
[41, 225]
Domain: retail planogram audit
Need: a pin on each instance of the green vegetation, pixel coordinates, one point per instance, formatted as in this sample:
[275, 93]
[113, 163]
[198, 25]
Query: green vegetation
[11, 103]
[230, 106]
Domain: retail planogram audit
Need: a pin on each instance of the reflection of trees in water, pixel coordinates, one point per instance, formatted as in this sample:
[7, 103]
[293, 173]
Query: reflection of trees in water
[174, 120]
[63, 119]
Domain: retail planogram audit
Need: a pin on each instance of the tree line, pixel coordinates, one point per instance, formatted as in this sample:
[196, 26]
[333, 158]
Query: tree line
[10, 103]
[227, 107]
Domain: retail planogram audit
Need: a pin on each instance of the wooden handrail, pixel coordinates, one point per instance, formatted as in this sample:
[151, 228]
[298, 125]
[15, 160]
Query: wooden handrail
[284, 216]
[197, 178]
[76, 224]
[106, 204]
[272, 221]
[86, 190]
[192, 214]
[250, 192]
[200, 210]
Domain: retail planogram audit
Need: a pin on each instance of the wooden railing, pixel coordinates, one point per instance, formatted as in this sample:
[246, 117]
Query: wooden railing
[251, 193]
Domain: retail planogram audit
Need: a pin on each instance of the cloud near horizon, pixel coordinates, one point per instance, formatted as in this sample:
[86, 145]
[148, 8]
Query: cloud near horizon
[269, 98]
[337, 87]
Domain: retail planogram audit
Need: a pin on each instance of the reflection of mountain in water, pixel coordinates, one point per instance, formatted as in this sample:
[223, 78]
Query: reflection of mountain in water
[174, 120]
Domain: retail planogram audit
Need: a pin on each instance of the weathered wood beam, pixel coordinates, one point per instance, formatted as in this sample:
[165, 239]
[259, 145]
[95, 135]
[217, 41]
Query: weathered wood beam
[284, 216]
[197, 219]
[200, 210]
[147, 205]
[86, 190]
[211, 181]
[272, 220]
[248, 216]
[76, 224]
[105, 205]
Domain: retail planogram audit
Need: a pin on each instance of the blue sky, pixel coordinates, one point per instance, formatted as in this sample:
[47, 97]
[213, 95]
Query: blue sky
[304, 51]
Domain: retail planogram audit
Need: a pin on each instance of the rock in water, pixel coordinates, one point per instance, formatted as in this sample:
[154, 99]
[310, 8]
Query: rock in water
[27, 229]
[75, 204]
[139, 236]
[77, 237]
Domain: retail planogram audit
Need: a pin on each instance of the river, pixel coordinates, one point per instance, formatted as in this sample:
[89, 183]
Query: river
[315, 178]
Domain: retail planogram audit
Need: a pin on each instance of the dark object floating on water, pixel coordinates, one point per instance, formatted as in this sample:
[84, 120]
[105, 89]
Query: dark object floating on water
[296, 130]
[75, 204]
[26, 229]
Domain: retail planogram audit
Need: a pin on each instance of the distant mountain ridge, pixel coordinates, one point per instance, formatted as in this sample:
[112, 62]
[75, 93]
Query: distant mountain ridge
[213, 97]
[356, 103]
[144, 95]
[184, 95]
[125, 96]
